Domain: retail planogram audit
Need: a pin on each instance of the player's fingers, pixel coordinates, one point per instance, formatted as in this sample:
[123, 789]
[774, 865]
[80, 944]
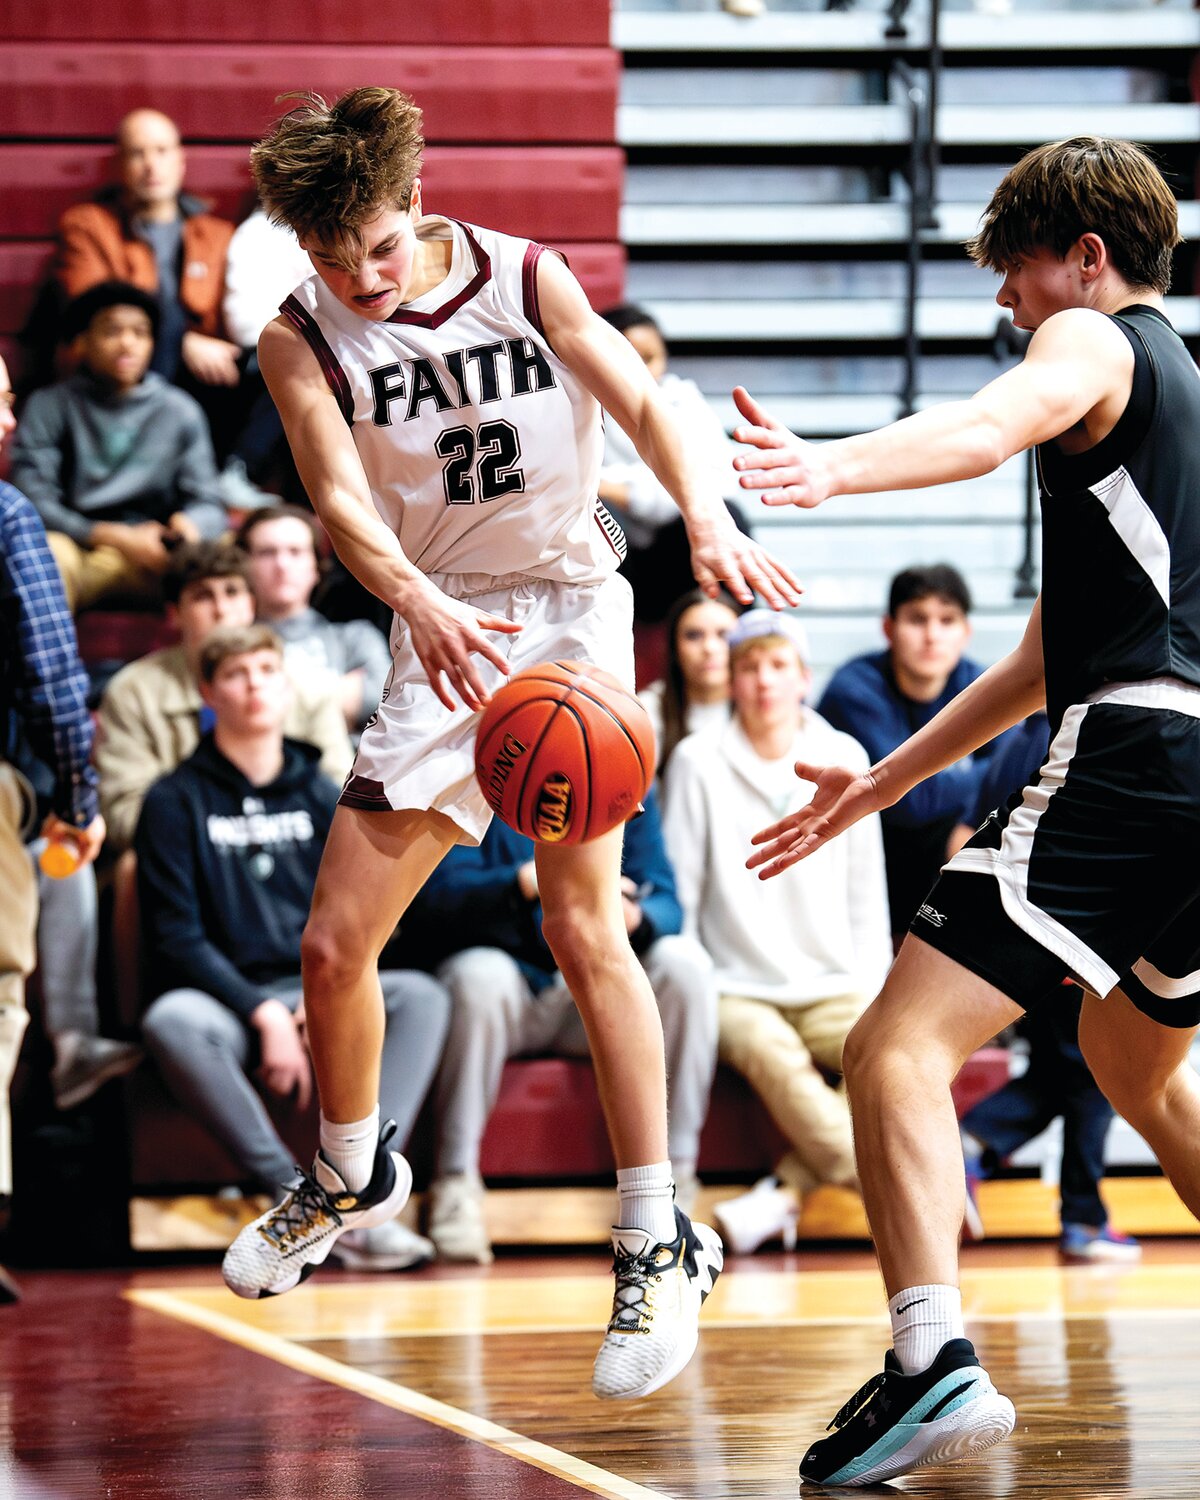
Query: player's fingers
[751, 410]
[705, 577]
[497, 622]
[481, 646]
[773, 458]
[470, 685]
[765, 439]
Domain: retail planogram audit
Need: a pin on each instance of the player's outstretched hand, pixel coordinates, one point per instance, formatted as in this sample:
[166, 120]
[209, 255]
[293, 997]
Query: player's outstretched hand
[721, 554]
[447, 634]
[842, 797]
[786, 469]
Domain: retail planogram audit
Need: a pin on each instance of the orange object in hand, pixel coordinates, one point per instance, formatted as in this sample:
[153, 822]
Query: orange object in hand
[59, 858]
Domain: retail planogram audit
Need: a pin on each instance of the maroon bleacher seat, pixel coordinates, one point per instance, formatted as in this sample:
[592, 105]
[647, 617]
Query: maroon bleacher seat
[222, 91]
[24, 265]
[108, 635]
[547, 1126]
[579, 23]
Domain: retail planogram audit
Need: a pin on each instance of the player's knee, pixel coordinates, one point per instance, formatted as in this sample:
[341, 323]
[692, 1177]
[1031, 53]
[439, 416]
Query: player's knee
[329, 959]
[574, 936]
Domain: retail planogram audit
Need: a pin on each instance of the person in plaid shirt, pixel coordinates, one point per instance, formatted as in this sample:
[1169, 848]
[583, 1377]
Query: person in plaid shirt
[43, 693]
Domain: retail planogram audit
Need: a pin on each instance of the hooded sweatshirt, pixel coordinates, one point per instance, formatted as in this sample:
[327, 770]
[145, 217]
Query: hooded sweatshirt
[226, 873]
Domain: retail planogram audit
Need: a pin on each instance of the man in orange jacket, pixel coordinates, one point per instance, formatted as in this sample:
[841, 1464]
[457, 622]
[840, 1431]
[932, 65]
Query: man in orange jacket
[149, 232]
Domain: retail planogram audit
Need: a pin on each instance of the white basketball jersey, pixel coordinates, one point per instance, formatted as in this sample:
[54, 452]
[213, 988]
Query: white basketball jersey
[481, 448]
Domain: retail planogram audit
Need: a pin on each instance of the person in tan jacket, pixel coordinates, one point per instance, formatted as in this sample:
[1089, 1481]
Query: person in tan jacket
[148, 231]
[152, 714]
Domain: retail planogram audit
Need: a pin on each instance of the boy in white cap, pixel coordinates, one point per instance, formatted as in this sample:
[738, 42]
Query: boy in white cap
[797, 961]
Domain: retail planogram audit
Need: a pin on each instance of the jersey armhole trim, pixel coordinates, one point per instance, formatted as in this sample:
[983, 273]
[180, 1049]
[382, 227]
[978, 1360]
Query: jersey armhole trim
[530, 301]
[303, 321]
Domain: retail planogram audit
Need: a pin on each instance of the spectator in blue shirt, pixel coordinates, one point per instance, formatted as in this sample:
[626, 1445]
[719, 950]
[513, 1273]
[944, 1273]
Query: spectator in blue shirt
[479, 918]
[885, 697]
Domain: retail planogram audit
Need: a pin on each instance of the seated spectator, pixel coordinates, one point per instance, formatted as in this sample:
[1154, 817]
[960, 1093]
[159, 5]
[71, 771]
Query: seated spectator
[152, 713]
[119, 463]
[147, 230]
[658, 564]
[883, 698]
[282, 543]
[479, 912]
[1057, 1081]
[799, 958]
[694, 694]
[228, 847]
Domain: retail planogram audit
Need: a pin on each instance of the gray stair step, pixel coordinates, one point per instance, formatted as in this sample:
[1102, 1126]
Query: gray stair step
[852, 319]
[833, 88]
[1040, 29]
[888, 124]
[810, 223]
[800, 279]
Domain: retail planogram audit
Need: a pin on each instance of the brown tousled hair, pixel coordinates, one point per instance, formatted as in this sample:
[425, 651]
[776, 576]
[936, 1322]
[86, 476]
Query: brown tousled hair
[328, 168]
[1086, 185]
[235, 640]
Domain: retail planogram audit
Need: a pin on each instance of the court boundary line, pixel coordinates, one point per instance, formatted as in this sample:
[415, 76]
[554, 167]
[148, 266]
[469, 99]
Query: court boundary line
[299, 1357]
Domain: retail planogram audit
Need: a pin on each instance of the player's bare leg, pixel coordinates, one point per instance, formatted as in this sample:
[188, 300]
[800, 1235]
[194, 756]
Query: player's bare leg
[933, 1402]
[1144, 1071]
[582, 921]
[664, 1265]
[373, 865]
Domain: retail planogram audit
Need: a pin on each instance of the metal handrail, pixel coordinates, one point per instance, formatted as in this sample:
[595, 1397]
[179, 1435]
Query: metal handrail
[924, 161]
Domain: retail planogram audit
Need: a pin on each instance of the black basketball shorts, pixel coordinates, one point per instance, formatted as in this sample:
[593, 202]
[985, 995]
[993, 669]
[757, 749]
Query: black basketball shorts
[1093, 871]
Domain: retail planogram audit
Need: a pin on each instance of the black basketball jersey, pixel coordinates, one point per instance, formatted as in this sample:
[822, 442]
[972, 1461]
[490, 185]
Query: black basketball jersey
[1121, 532]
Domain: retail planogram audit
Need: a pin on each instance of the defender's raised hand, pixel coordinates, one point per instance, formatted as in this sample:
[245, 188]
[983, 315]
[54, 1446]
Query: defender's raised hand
[786, 469]
[841, 798]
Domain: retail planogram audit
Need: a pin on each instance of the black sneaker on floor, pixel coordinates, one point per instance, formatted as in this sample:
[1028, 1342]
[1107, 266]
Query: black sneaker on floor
[284, 1246]
[898, 1422]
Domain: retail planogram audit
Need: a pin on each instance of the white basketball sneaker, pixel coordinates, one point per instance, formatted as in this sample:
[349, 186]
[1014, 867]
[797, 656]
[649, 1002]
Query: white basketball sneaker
[656, 1308]
[284, 1246]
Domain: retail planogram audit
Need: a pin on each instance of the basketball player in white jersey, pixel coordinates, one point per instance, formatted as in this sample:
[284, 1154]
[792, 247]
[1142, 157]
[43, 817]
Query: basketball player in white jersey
[441, 388]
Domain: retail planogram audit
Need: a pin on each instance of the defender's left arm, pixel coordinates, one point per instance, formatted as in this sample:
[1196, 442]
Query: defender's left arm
[1078, 369]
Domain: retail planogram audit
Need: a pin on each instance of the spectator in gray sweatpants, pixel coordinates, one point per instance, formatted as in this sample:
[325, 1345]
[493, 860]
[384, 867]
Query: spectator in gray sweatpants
[228, 847]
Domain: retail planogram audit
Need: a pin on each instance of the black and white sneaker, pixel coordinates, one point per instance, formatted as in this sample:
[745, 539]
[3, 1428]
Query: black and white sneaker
[284, 1246]
[898, 1422]
[660, 1289]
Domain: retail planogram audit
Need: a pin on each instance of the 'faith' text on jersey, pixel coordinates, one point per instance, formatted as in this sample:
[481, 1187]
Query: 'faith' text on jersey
[471, 377]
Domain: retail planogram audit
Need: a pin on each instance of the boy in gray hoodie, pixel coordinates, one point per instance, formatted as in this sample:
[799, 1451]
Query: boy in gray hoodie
[118, 462]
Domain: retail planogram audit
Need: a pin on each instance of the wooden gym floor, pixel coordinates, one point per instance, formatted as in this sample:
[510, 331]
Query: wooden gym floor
[443, 1384]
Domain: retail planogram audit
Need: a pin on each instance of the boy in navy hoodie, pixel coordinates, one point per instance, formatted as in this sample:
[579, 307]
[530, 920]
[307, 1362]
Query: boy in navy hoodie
[228, 847]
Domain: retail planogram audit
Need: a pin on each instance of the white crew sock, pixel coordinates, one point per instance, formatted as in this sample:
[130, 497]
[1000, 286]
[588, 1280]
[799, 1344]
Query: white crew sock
[350, 1149]
[923, 1319]
[646, 1200]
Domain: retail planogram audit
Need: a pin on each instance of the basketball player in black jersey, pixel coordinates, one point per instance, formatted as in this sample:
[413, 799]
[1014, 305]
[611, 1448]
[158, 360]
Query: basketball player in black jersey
[1080, 874]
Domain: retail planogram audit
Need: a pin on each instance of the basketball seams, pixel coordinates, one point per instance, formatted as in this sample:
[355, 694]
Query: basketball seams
[581, 689]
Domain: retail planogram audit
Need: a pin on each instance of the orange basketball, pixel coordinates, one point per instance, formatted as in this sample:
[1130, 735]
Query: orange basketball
[563, 753]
